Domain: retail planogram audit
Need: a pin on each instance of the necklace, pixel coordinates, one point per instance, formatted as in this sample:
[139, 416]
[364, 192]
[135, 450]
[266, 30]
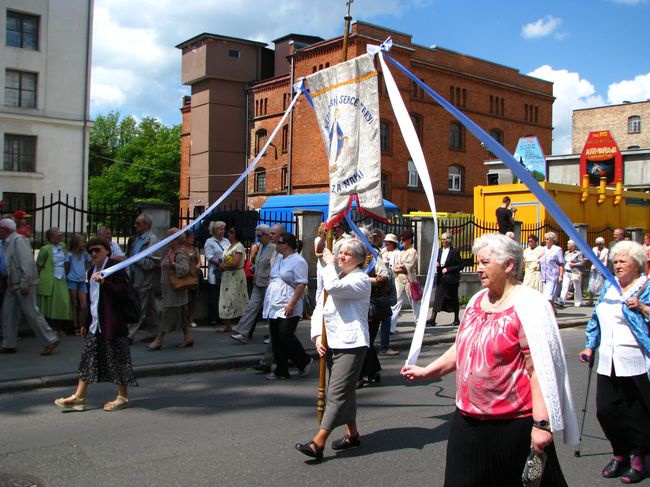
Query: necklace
[494, 306]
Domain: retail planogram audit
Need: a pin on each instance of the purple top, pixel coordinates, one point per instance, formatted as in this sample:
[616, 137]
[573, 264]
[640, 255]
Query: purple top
[550, 263]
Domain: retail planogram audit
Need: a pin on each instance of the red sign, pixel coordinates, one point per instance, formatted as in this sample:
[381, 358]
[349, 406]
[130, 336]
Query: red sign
[601, 158]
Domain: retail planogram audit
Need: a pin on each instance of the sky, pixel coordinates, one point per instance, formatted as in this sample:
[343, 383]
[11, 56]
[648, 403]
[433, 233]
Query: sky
[595, 51]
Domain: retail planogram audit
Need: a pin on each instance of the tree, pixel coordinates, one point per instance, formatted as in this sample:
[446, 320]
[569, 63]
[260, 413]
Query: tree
[143, 161]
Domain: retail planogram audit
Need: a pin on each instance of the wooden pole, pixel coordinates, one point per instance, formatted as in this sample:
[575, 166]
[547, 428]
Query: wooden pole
[346, 34]
[320, 402]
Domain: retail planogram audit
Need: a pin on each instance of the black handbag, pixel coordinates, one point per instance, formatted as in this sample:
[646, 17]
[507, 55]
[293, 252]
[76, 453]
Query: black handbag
[534, 469]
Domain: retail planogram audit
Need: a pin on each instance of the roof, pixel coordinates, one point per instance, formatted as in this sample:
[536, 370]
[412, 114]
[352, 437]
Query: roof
[220, 37]
[299, 37]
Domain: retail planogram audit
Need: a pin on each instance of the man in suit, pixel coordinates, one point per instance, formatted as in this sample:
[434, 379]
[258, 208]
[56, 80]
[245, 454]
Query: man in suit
[261, 255]
[145, 274]
[447, 279]
[22, 278]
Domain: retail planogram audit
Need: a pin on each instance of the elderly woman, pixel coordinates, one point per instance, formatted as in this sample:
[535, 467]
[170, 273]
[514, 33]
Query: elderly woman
[176, 263]
[596, 278]
[214, 249]
[233, 295]
[346, 322]
[532, 256]
[551, 268]
[105, 356]
[389, 254]
[53, 296]
[283, 306]
[574, 266]
[619, 329]
[194, 254]
[405, 269]
[512, 388]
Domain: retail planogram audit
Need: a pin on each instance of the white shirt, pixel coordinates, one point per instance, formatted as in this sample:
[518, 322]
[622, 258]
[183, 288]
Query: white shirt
[116, 250]
[214, 248]
[94, 301]
[286, 274]
[346, 309]
[443, 256]
[618, 347]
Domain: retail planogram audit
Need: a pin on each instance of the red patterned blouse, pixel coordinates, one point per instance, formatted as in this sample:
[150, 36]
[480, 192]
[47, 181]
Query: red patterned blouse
[491, 377]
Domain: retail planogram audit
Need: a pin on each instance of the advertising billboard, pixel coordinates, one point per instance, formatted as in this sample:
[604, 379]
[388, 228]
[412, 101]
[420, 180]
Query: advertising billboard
[601, 158]
[529, 153]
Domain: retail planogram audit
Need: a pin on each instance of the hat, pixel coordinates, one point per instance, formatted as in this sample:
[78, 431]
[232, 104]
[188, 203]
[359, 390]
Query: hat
[21, 214]
[391, 237]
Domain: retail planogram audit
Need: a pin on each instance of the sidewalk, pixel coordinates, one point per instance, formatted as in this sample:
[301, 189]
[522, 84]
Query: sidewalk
[211, 351]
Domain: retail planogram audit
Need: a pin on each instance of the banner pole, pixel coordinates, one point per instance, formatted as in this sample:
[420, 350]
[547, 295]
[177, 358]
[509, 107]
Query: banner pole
[320, 401]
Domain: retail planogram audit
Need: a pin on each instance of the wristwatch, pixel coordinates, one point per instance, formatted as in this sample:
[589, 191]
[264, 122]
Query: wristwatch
[542, 424]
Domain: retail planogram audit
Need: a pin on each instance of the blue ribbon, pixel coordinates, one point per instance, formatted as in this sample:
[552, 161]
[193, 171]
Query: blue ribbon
[518, 170]
[365, 241]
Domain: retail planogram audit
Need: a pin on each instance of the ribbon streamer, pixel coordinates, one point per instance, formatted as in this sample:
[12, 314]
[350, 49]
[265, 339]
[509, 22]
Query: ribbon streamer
[365, 241]
[162, 243]
[518, 170]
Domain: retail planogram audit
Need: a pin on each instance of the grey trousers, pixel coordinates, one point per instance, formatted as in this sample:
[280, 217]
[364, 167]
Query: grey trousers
[149, 313]
[255, 303]
[341, 397]
[14, 303]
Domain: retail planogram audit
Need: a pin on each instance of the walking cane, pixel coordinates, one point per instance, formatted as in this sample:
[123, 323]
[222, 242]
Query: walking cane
[584, 409]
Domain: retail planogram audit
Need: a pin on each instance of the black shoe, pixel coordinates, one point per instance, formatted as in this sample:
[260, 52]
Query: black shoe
[346, 442]
[455, 323]
[153, 349]
[615, 468]
[431, 323]
[147, 339]
[632, 476]
[306, 449]
[375, 379]
[262, 368]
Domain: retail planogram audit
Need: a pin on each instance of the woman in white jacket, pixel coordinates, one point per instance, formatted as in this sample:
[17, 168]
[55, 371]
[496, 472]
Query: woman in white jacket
[346, 323]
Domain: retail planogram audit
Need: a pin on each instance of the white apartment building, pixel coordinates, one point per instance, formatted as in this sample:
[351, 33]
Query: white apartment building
[45, 54]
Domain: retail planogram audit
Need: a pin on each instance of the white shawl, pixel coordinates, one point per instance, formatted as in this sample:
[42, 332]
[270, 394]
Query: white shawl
[543, 336]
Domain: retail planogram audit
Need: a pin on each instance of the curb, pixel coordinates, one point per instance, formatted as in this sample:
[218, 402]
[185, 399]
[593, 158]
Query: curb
[207, 365]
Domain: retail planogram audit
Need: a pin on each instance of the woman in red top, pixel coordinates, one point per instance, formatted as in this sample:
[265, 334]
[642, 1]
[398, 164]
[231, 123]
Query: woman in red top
[501, 410]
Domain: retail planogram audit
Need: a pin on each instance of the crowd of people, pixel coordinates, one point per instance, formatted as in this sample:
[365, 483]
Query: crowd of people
[512, 387]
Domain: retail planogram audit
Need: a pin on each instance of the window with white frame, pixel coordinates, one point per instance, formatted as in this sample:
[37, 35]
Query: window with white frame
[20, 153]
[455, 178]
[414, 180]
[634, 124]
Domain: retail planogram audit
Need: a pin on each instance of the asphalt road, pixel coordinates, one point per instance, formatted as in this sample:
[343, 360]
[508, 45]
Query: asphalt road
[235, 428]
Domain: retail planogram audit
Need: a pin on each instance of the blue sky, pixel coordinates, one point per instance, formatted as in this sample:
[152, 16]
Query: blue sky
[595, 51]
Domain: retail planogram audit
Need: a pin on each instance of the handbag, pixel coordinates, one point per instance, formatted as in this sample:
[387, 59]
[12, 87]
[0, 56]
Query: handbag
[188, 282]
[416, 289]
[534, 469]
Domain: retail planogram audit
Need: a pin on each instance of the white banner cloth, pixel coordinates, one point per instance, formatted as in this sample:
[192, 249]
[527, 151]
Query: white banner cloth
[347, 109]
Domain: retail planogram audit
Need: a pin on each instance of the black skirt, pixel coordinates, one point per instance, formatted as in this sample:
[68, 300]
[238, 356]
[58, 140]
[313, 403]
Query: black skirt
[492, 453]
[106, 361]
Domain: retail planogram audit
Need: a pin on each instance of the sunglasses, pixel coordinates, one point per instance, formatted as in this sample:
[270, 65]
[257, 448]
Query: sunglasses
[95, 250]
[281, 242]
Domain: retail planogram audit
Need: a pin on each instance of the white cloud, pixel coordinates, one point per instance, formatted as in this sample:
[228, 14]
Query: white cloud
[571, 92]
[637, 89]
[629, 2]
[541, 27]
[138, 37]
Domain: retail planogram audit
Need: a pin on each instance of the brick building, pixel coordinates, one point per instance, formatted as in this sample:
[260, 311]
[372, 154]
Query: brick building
[240, 89]
[628, 123]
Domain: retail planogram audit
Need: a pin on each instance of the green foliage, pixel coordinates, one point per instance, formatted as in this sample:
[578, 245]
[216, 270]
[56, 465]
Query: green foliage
[133, 161]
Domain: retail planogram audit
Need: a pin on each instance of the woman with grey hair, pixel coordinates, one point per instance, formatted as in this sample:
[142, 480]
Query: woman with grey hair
[214, 249]
[619, 330]
[574, 266]
[512, 386]
[596, 278]
[345, 312]
[551, 268]
[53, 297]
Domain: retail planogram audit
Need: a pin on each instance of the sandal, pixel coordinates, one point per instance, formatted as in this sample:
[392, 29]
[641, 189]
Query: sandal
[346, 442]
[120, 402]
[306, 449]
[72, 402]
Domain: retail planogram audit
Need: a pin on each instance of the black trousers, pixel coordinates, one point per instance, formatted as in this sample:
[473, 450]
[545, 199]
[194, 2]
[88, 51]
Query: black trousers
[213, 304]
[286, 345]
[623, 411]
[371, 363]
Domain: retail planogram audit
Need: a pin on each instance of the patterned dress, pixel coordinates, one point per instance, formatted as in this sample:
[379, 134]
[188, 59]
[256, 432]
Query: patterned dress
[233, 295]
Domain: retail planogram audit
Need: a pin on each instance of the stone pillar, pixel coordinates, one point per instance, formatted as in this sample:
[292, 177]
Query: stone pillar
[637, 233]
[424, 241]
[308, 222]
[582, 228]
[518, 230]
[160, 214]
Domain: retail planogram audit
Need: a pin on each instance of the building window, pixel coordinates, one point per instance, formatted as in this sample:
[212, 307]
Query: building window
[413, 181]
[384, 185]
[455, 178]
[384, 136]
[20, 153]
[20, 89]
[497, 105]
[458, 96]
[531, 113]
[22, 30]
[497, 135]
[260, 140]
[417, 124]
[266, 106]
[456, 136]
[233, 53]
[285, 138]
[260, 180]
[19, 201]
[634, 125]
[285, 177]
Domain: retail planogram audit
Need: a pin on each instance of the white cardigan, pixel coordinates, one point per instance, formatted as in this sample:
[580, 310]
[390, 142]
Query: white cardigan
[537, 318]
[346, 309]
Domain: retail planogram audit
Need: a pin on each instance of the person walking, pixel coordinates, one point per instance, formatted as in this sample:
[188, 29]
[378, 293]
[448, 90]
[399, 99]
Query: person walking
[144, 274]
[618, 329]
[574, 266]
[532, 256]
[106, 356]
[20, 295]
[405, 269]
[551, 268]
[596, 278]
[214, 249]
[261, 255]
[233, 295]
[447, 280]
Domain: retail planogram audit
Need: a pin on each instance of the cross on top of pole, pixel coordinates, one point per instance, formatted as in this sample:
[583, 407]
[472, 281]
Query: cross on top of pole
[349, 4]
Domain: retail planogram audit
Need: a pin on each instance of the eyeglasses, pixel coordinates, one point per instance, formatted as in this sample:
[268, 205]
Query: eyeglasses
[95, 250]
[281, 242]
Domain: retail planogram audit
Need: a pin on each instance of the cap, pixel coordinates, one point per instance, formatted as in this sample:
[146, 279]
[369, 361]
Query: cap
[391, 237]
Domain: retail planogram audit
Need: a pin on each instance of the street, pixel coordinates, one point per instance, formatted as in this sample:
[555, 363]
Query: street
[235, 428]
